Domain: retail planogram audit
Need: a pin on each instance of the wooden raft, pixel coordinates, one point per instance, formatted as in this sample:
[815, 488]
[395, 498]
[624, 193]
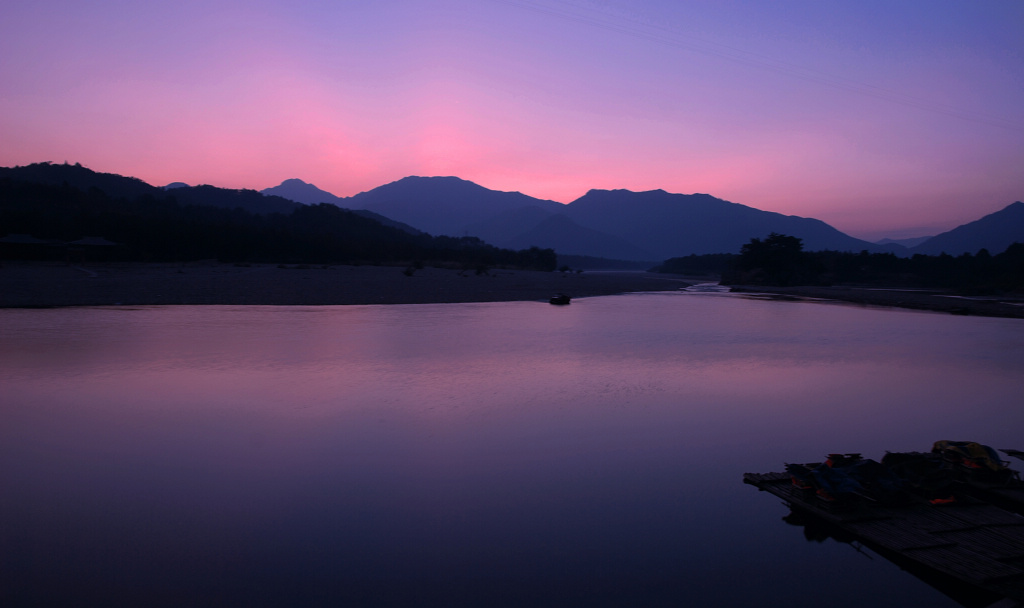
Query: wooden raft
[973, 541]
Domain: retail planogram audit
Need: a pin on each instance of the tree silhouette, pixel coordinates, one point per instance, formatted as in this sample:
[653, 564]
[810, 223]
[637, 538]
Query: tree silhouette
[777, 260]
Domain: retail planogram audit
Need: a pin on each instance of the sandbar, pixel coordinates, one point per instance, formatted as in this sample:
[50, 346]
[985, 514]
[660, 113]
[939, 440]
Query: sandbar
[915, 299]
[50, 284]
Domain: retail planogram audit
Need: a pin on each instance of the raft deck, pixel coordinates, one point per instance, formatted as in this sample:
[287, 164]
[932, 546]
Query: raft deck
[972, 541]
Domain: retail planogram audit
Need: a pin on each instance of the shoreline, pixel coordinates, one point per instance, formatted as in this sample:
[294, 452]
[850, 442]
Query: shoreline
[56, 284]
[914, 299]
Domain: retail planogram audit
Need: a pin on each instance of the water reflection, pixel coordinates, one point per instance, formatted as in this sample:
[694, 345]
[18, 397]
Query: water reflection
[503, 453]
[816, 530]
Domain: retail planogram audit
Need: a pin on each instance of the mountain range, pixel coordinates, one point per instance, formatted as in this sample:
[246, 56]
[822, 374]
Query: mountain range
[625, 225]
[994, 232]
[647, 226]
[50, 212]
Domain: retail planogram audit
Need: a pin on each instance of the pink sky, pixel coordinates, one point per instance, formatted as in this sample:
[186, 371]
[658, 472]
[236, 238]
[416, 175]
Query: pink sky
[881, 121]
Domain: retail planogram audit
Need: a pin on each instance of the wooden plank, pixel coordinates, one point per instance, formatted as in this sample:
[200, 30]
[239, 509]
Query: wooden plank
[993, 542]
[964, 517]
[896, 535]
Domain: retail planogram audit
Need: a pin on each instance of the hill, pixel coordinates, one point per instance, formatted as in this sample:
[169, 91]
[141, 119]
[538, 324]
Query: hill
[562, 234]
[616, 224]
[302, 192]
[49, 203]
[120, 187]
[224, 198]
[994, 232]
[442, 205]
[675, 225]
[78, 177]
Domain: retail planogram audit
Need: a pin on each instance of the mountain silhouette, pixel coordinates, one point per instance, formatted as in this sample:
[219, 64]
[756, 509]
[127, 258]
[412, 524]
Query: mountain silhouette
[616, 224]
[507, 225]
[308, 194]
[64, 203]
[674, 225]
[77, 176]
[119, 186]
[457, 207]
[249, 200]
[540, 228]
[994, 232]
[908, 243]
[560, 233]
[442, 205]
[302, 192]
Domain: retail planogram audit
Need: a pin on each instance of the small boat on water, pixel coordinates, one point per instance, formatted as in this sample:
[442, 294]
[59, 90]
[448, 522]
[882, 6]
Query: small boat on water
[560, 299]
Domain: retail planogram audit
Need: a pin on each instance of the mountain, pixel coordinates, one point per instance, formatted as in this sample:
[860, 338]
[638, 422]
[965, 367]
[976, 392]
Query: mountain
[387, 221]
[675, 225]
[204, 222]
[560, 233]
[507, 225]
[616, 224]
[118, 186]
[442, 205]
[539, 228]
[302, 192]
[456, 207]
[906, 243]
[249, 200]
[77, 176]
[308, 194]
[994, 232]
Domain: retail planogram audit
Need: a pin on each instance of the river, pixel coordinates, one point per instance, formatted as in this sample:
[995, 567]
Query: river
[499, 454]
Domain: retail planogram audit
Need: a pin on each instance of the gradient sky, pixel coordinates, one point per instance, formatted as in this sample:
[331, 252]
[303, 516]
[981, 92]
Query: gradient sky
[881, 118]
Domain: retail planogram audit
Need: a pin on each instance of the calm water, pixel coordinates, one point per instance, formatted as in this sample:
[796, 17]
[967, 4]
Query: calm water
[467, 454]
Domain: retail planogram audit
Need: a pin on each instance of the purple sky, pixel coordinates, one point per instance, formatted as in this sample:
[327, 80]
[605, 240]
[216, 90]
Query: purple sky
[881, 118]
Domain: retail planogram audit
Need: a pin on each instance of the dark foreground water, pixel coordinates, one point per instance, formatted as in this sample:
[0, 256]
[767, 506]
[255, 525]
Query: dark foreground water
[503, 454]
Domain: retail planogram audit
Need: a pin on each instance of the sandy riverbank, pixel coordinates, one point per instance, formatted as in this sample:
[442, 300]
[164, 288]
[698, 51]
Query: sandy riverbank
[916, 299]
[42, 284]
[45, 284]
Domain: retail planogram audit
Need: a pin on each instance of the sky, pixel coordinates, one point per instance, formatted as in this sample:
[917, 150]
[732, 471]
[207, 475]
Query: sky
[884, 119]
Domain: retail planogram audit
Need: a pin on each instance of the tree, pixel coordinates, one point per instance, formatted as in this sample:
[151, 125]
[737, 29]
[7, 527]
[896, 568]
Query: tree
[777, 260]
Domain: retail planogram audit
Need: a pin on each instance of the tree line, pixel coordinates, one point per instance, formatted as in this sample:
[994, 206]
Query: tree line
[780, 260]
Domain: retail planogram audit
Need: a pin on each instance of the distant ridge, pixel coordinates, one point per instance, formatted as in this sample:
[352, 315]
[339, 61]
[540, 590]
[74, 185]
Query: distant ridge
[46, 206]
[674, 225]
[616, 224]
[442, 205]
[911, 242]
[307, 194]
[572, 237]
[249, 200]
[80, 177]
[994, 232]
[302, 192]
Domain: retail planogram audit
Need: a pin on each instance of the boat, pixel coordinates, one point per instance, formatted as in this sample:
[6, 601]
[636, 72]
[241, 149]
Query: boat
[560, 299]
[956, 510]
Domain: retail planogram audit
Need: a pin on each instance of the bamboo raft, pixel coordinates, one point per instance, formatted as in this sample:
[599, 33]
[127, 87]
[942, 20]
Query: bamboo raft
[972, 540]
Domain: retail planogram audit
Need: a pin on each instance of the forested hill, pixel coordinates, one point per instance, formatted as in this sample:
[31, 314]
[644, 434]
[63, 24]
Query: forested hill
[118, 186]
[64, 203]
